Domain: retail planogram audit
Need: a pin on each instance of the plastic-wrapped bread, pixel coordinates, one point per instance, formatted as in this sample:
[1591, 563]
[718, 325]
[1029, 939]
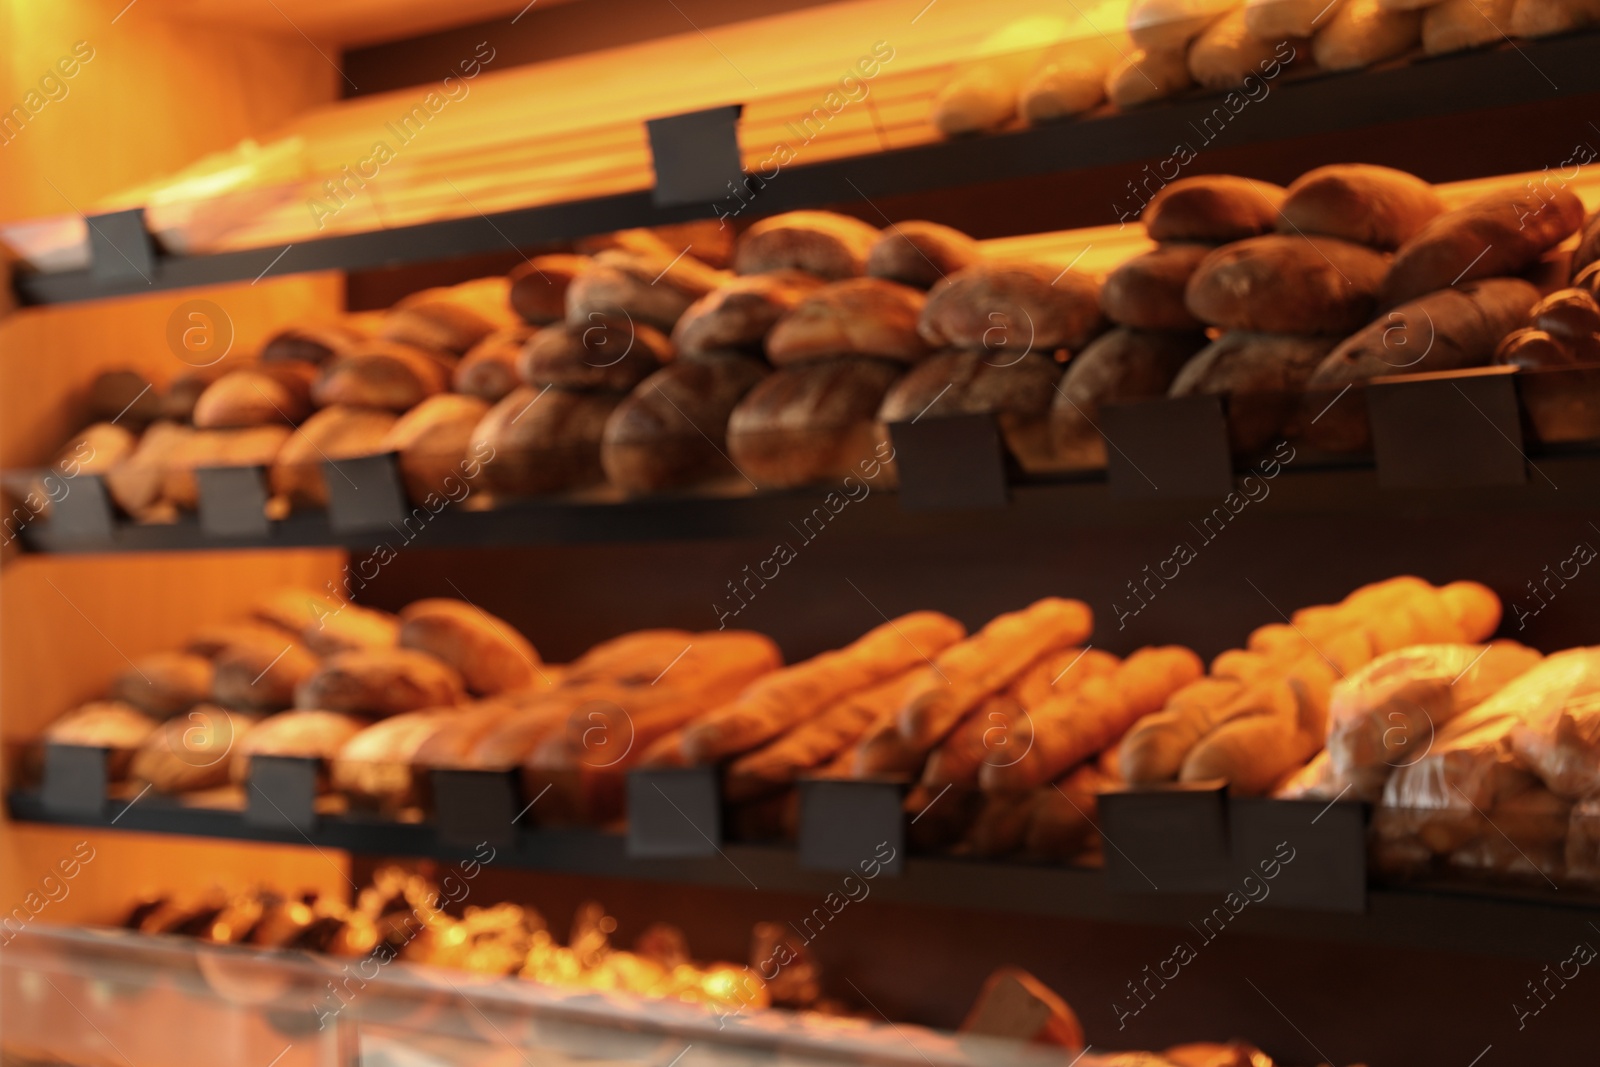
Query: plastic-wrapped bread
[1560, 739]
[1146, 75]
[1361, 33]
[1583, 843]
[1280, 19]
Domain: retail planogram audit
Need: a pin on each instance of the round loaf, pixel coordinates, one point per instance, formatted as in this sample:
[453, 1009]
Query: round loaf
[855, 317]
[1281, 284]
[1013, 307]
[254, 446]
[336, 432]
[919, 254]
[1119, 365]
[259, 678]
[432, 441]
[437, 320]
[301, 734]
[818, 242]
[489, 371]
[163, 684]
[648, 290]
[1147, 74]
[381, 682]
[1373, 206]
[1016, 387]
[488, 653]
[137, 483]
[738, 314]
[1147, 291]
[1262, 374]
[1172, 24]
[538, 291]
[612, 353]
[350, 628]
[1213, 207]
[191, 752]
[810, 421]
[1227, 52]
[539, 441]
[382, 374]
[312, 342]
[1361, 33]
[124, 396]
[672, 429]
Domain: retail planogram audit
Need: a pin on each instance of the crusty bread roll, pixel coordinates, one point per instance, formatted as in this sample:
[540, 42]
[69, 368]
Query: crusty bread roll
[255, 446]
[311, 342]
[1146, 74]
[1361, 33]
[648, 290]
[1069, 81]
[1119, 365]
[255, 677]
[1543, 18]
[138, 482]
[608, 353]
[1212, 208]
[1374, 206]
[1455, 25]
[432, 441]
[918, 253]
[541, 440]
[1287, 284]
[382, 374]
[247, 398]
[1172, 24]
[163, 684]
[1012, 307]
[854, 317]
[538, 292]
[350, 628]
[1263, 374]
[672, 429]
[818, 242]
[190, 752]
[306, 734]
[1227, 52]
[437, 320]
[1278, 20]
[379, 682]
[1500, 233]
[1015, 387]
[336, 432]
[101, 724]
[811, 421]
[1146, 292]
[489, 653]
[489, 370]
[738, 314]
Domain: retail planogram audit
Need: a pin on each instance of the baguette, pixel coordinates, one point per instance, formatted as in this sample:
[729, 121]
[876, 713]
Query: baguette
[1361, 33]
[1146, 75]
[1058, 673]
[1065, 817]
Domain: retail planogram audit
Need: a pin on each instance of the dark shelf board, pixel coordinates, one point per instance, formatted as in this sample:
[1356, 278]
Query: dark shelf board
[1525, 73]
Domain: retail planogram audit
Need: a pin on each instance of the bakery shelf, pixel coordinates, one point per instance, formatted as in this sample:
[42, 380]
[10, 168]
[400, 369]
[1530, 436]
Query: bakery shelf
[1448, 918]
[881, 166]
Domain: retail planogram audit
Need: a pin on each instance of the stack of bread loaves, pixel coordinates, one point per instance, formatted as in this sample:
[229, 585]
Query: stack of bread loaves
[1562, 336]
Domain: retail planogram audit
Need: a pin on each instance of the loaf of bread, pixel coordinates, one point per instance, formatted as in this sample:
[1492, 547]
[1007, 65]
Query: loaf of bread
[538, 291]
[1212, 208]
[1172, 24]
[256, 446]
[300, 734]
[1501, 233]
[788, 697]
[138, 483]
[635, 658]
[488, 653]
[672, 429]
[255, 677]
[381, 374]
[541, 440]
[1148, 74]
[211, 641]
[919, 254]
[1262, 374]
[708, 240]
[163, 684]
[124, 397]
[1544, 18]
[311, 342]
[1455, 25]
[1564, 336]
[375, 766]
[437, 320]
[648, 290]
[613, 354]
[190, 752]
[379, 682]
[1066, 83]
[737, 314]
[292, 610]
[251, 397]
[1287, 284]
[818, 242]
[960, 678]
[350, 628]
[1147, 291]
[1361, 33]
[1374, 206]
[102, 724]
[1119, 365]
[1277, 20]
[184, 391]
[1012, 307]
[1560, 739]
[811, 421]
[1016, 1006]
[1154, 748]
[432, 440]
[1017, 388]
[335, 432]
[1228, 51]
[489, 370]
[854, 317]
[1445, 330]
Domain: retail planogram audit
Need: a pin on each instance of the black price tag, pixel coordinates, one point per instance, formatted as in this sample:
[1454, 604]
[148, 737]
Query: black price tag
[365, 493]
[1166, 839]
[82, 514]
[696, 155]
[75, 779]
[233, 501]
[950, 461]
[120, 246]
[845, 823]
[1452, 428]
[283, 792]
[1325, 845]
[1167, 446]
[674, 811]
[470, 807]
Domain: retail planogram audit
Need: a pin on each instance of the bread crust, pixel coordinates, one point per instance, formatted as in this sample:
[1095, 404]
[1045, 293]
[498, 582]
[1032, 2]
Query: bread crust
[1146, 292]
[1284, 284]
[1212, 208]
[1015, 306]
[828, 245]
[855, 317]
[1378, 207]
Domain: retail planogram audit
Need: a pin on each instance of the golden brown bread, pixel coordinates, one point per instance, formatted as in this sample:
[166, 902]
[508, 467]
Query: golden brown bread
[541, 440]
[818, 242]
[491, 656]
[708, 240]
[738, 313]
[811, 421]
[489, 370]
[1172, 23]
[1287, 284]
[1279, 20]
[432, 440]
[1016, 387]
[635, 658]
[1146, 291]
[1060, 672]
[854, 317]
[1012, 307]
[1070, 80]
[381, 374]
[1262, 374]
[1065, 816]
[644, 290]
[306, 734]
[1228, 51]
[311, 342]
[539, 287]
[1363, 32]
[98, 449]
[350, 628]
[211, 641]
[163, 684]
[257, 677]
[251, 397]
[292, 610]
[335, 432]
[255, 446]
[919, 254]
[672, 429]
[139, 481]
[375, 766]
[1147, 74]
[1119, 365]
[190, 752]
[379, 682]
[1212, 208]
[183, 392]
[1374, 206]
[1542, 18]
[605, 353]
[1154, 748]
[101, 724]
[438, 320]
